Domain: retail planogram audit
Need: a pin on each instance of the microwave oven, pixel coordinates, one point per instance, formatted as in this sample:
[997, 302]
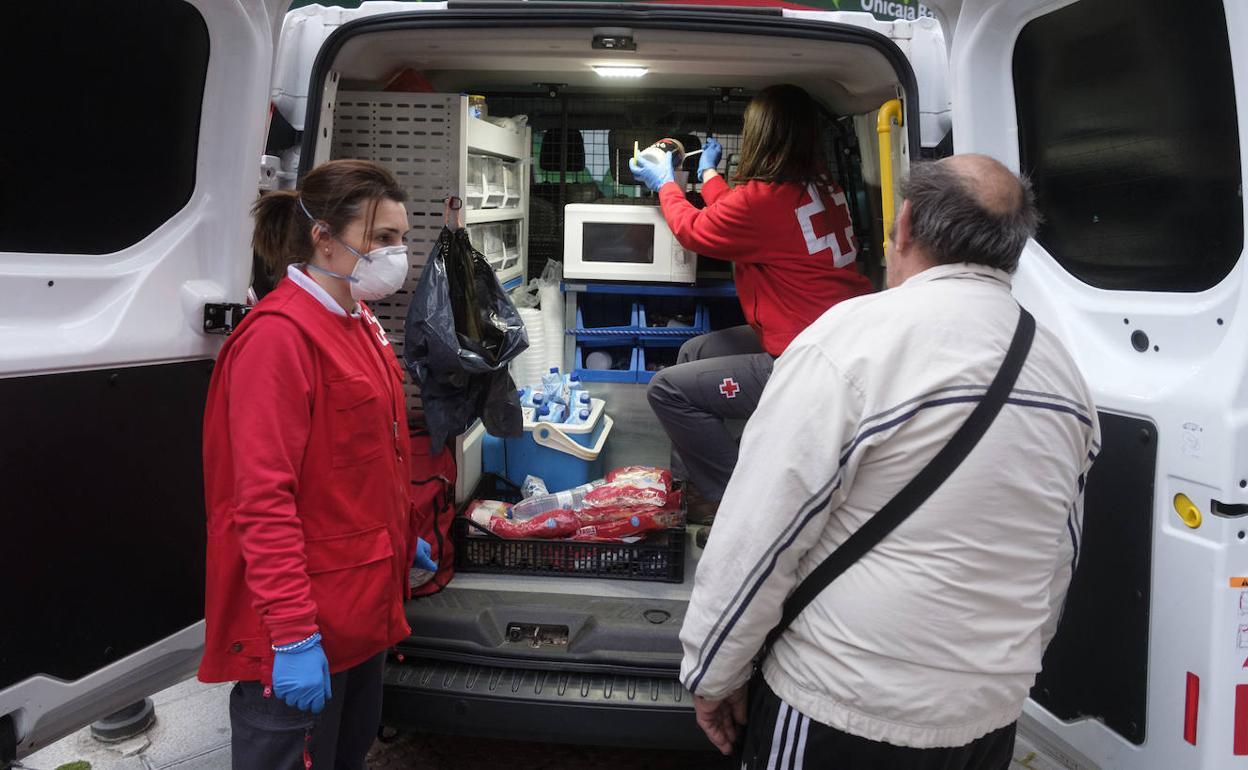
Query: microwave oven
[623, 242]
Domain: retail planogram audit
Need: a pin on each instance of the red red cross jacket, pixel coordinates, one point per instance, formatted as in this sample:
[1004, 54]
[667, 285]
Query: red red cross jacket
[307, 489]
[793, 247]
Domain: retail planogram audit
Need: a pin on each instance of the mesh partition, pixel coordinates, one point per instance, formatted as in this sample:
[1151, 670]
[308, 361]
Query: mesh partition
[582, 143]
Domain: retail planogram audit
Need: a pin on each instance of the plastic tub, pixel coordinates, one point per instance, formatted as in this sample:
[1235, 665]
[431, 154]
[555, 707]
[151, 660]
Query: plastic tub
[659, 556]
[624, 364]
[651, 358]
[474, 183]
[511, 184]
[608, 318]
[666, 318]
[494, 192]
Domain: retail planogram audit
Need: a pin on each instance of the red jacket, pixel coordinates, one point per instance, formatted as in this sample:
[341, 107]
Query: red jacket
[307, 488]
[793, 247]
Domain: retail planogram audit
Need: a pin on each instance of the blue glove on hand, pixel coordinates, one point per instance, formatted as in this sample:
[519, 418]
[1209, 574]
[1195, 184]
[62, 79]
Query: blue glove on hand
[301, 676]
[712, 151]
[651, 174]
[424, 556]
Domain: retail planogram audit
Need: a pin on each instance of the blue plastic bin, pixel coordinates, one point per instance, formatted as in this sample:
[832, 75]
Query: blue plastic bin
[653, 306]
[664, 351]
[608, 319]
[583, 349]
[564, 456]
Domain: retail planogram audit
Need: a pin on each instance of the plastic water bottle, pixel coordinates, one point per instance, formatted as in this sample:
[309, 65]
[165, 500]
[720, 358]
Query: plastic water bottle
[526, 396]
[570, 389]
[537, 401]
[579, 417]
[569, 500]
[552, 413]
[552, 383]
[583, 401]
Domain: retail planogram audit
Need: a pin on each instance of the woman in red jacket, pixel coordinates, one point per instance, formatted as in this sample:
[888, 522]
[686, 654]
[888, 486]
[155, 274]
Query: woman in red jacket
[306, 480]
[786, 227]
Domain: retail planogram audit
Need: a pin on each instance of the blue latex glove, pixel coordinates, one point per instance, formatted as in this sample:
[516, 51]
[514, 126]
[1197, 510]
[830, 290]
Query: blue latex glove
[651, 174]
[424, 556]
[712, 151]
[301, 677]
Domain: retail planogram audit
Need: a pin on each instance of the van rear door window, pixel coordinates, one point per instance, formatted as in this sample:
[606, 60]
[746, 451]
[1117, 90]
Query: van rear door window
[1128, 128]
[99, 136]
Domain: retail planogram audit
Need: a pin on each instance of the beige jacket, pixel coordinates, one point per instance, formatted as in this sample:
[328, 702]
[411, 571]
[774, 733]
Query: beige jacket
[935, 637]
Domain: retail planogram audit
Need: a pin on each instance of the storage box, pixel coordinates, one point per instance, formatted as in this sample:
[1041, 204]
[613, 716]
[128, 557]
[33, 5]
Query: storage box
[659, 556]
[619, 353]
[564, 456]
[652, 353]
[653, 314]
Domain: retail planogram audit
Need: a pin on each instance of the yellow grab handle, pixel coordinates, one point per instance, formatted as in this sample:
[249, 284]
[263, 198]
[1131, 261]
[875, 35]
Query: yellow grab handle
[890, 114]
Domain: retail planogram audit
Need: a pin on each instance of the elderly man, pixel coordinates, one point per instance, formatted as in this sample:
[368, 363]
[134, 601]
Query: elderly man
[921, 651]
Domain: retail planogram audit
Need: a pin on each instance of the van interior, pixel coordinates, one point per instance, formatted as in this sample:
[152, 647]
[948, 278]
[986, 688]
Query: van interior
[581, 131]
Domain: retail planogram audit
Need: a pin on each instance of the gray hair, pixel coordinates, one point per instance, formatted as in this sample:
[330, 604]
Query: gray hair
[954, 225]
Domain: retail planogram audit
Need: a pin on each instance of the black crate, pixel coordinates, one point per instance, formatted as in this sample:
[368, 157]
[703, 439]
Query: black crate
[659, 556]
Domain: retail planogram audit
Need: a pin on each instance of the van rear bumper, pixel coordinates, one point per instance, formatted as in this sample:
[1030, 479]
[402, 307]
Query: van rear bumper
[544, 706]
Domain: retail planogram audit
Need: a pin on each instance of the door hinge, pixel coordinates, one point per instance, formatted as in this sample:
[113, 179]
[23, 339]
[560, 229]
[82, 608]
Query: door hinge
[223, 317]
[8, 741]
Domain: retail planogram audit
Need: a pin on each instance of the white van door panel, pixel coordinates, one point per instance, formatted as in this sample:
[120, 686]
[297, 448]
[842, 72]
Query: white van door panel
[923, 43]
[1136, 163]
[119, 241]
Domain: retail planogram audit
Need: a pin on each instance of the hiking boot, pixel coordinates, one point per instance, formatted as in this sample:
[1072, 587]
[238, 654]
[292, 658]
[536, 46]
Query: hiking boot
[699, 539]
[699, 509]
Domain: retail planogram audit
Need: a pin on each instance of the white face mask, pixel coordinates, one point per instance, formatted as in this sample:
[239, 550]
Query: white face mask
[379, 273]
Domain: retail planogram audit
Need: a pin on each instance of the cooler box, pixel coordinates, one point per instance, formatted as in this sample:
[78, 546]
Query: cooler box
[564, 456]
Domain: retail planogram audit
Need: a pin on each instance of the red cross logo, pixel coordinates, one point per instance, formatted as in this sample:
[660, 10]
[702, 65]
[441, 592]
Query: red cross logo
[729, 388]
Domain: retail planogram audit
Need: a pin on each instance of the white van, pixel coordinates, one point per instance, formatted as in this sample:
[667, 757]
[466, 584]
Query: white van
[127, 165]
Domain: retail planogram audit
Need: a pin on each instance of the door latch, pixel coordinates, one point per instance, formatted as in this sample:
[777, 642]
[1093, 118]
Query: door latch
[535, 635]
[223, 317]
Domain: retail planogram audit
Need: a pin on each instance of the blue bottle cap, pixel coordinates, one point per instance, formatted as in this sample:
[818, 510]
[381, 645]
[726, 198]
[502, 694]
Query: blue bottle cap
[554, 370]
[545, 410]
[538, 399]
[584, 414]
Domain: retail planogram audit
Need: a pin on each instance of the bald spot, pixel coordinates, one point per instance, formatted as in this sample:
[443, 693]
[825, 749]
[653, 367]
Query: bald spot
[988, 180]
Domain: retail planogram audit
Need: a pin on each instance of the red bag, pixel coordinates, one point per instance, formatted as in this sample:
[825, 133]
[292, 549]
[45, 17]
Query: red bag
[433, 510]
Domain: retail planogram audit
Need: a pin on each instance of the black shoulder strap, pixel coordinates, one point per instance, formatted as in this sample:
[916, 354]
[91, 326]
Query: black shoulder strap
[921, 487]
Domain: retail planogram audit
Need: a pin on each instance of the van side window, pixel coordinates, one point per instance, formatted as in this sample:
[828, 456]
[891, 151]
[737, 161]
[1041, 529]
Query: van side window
[101, 127]
[1128, 128]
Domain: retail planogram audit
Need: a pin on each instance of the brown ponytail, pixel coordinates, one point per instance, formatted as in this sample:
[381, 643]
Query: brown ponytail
[336, 193]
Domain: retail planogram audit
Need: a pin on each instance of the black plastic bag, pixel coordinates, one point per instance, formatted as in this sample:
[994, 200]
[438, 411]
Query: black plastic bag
[461, 332]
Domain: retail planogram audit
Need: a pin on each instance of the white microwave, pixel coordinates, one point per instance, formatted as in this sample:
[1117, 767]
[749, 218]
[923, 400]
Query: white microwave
[623, 242]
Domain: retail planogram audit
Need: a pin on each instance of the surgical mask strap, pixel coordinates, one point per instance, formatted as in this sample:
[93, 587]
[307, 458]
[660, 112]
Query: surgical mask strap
[345, 245]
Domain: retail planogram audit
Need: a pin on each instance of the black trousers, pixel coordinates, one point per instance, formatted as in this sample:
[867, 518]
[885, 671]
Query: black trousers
[779, 738]
[717, 376]
[269, 735]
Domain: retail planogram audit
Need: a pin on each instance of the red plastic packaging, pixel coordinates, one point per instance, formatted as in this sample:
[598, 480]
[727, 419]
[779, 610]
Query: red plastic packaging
[636, 524]
[552, 524]
[634, 485]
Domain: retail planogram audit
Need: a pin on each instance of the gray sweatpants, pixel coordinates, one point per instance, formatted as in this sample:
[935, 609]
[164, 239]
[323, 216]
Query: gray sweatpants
[269, 735]
[718, 376]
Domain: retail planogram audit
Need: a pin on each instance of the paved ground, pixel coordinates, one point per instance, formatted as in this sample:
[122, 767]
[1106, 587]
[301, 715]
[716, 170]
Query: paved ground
[192, 733]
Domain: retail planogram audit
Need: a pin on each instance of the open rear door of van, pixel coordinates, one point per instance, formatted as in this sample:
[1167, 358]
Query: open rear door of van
[129, 153]
[1125, 116]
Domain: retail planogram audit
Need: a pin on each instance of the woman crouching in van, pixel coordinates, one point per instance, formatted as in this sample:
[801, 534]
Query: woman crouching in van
[310, 527]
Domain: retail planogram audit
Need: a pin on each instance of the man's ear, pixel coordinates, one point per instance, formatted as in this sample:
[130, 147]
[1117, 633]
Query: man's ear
[901, 228]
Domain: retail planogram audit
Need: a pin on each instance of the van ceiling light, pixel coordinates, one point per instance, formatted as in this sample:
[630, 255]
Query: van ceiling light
[608, 71]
